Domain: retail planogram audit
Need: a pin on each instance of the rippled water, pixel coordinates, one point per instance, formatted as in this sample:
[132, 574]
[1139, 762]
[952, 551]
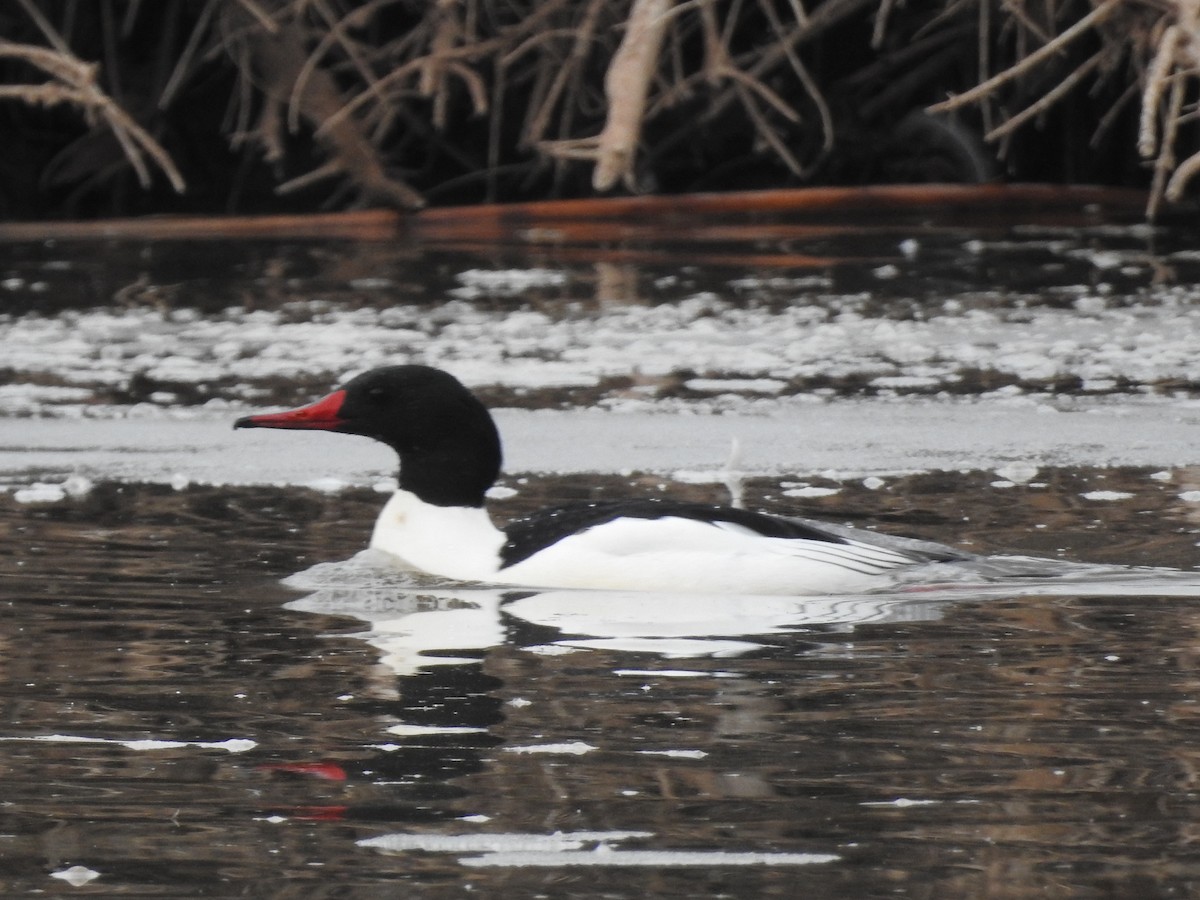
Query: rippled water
[179, 722]
[208, 690]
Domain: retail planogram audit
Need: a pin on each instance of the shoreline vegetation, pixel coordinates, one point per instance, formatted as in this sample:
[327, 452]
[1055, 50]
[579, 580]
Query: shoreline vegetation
[121, 108]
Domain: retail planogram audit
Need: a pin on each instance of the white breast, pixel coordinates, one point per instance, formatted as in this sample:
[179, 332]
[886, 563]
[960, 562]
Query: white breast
[452, 541]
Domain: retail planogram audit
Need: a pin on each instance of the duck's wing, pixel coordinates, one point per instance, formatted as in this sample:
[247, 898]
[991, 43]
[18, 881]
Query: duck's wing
[919, 550]
[973, 565]
[526, 537]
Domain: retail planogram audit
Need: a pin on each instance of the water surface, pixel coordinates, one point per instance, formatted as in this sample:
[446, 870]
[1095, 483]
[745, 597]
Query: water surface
[208, 691]
[180, 722]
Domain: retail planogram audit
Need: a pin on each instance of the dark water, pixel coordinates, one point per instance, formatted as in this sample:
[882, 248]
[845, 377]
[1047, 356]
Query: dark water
[206, 693]
[927, 745]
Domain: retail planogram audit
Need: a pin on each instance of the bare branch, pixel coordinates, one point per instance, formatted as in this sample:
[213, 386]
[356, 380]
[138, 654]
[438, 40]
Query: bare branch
[78, 87]
[627, 87]
[1156, 81]
[980, 91]
[1048, 99]
[1183, 174]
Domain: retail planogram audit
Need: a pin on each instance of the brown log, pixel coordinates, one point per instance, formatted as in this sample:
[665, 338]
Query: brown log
[939, 202]
[360, 225]
[748, 215]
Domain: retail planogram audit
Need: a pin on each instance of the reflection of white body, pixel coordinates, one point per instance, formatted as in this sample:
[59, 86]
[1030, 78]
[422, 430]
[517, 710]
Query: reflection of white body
[415, 623]
[415, 626]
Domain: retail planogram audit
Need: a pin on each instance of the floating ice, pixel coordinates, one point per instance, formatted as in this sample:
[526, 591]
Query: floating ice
[232, 745]
[676, 754]
[477, 843]
[39, 492]
[602, 856]
[739, 385]
[753, 350]
[571, 748]
[76, 876]
[404, 730]
[505, 282]
[811, 491]
[1018, 472]
[1106, 495]
[738, 353]
[570, 849]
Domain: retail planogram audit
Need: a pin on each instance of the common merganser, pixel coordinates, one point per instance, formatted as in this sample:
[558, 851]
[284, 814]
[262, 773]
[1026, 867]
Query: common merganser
[450, 456]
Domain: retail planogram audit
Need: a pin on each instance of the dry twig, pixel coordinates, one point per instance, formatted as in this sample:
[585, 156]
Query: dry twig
[402, 88]
[627, 88]
[1172, 46]
[75, 83]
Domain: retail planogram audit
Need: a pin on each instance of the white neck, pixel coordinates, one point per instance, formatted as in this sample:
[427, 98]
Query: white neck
[457, 542]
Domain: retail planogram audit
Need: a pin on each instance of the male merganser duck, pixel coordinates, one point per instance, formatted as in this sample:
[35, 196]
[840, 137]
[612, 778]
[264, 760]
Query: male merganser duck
[449, 452]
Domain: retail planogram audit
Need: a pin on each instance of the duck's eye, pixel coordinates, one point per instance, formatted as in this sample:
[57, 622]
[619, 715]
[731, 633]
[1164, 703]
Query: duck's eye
[376, 395]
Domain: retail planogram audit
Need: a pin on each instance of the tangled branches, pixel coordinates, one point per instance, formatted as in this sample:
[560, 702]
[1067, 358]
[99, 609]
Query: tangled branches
[73, 83]
[1176, 60]
[540, 64]
[490, 98]
[1157, 40]
[386, 85]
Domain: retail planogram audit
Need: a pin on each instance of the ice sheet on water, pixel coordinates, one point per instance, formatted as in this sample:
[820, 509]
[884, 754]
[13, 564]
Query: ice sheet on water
[1119, 341]
[580, 848]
